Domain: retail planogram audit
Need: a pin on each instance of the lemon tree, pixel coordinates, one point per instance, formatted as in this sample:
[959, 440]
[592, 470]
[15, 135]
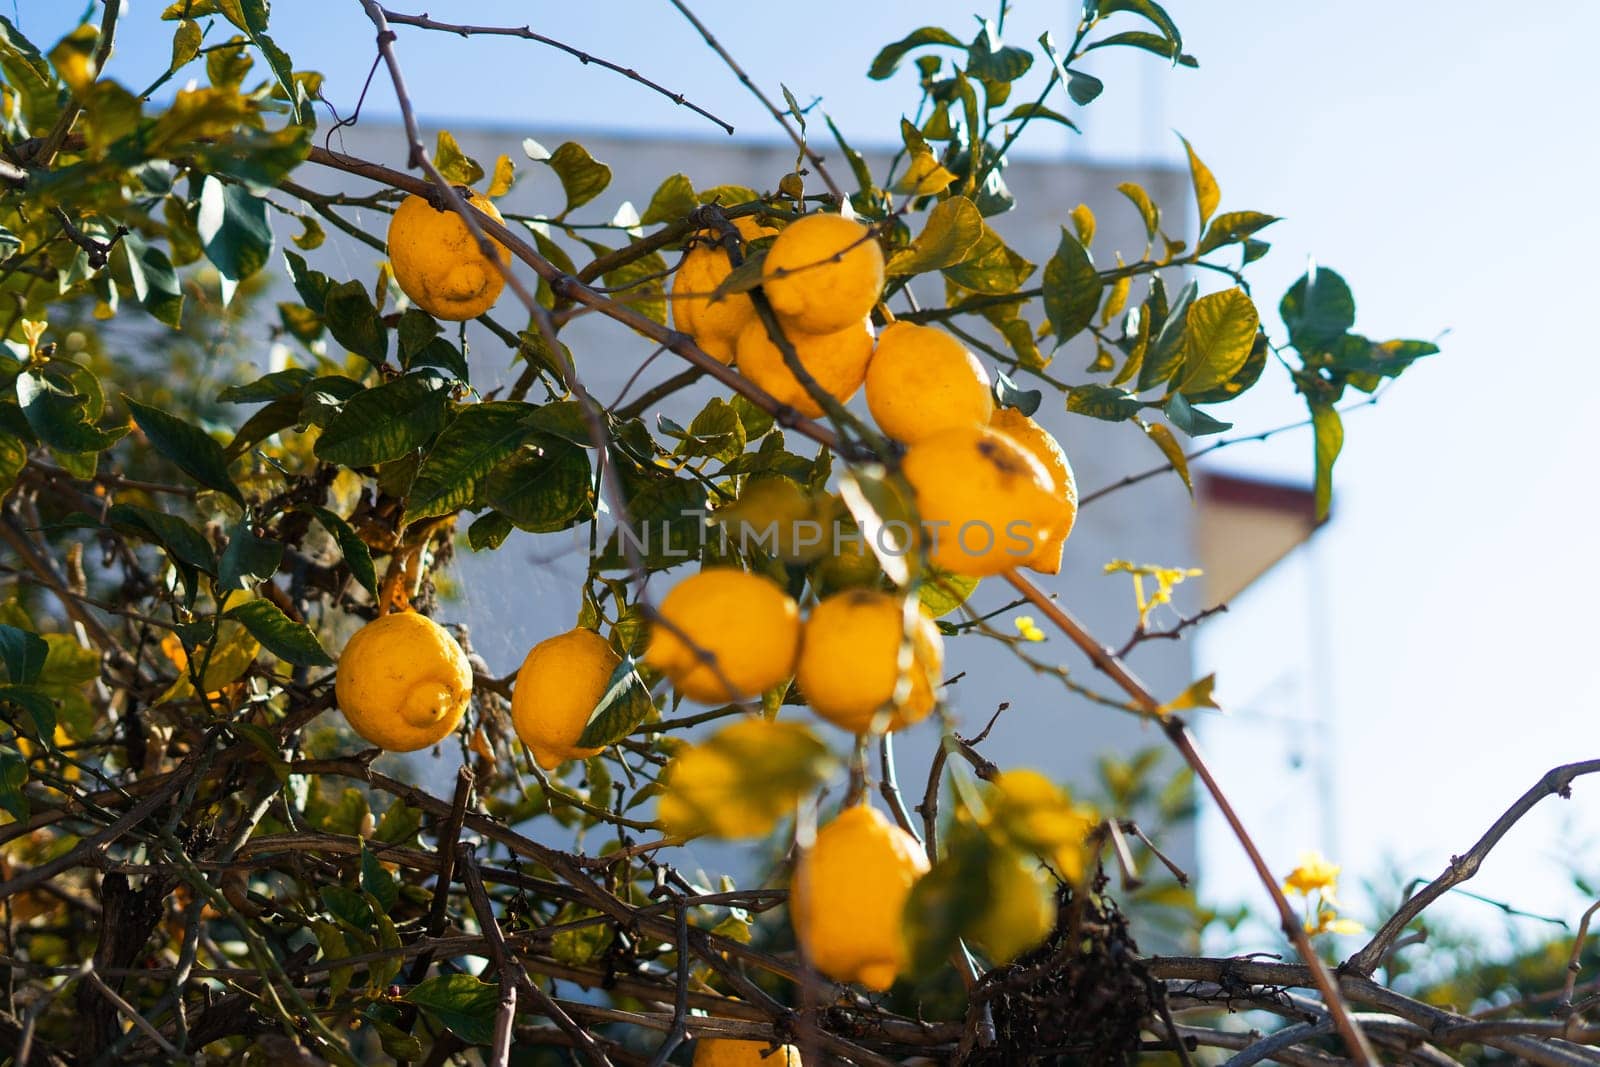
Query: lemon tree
[227, 610]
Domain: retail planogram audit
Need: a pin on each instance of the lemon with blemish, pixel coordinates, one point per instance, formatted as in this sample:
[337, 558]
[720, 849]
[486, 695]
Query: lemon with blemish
[438, 263]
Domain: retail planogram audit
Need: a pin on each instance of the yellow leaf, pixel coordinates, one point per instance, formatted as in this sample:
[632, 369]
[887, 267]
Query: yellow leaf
[504, 175]
[924, 177]
[1197, 695]
[235, 651]
[1083, 222]
[1206, 193]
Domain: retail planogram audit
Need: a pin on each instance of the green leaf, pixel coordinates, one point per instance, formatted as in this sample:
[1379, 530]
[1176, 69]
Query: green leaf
[472, 445]
[1242, 379]
[542, 489]
[1231, 227]
[399, 824]
[1166, 350]
[582, 176]
[1038, 111]
[1103, 402]
[356, 554]
[184, 543]
[13, 779]
[1071, 288]
[24, 654]
[991, 267]
[1219, 332]
[378, 882]
[716, 431]
[624, 705]
[1150, 10]
[460, 1003]
[312, 285]
[946, 901]
[642, 282]
[354, 322]
[1007, 394]
[61, 417]
[1150, 42]
[38, 704]
[489, 530]
[234, 231]
[417, 329]
[194, 451]
[293, 642]
[274, 386]
[13, 457]
[953, 230]
[248, 559]
[1083, 88]
[1148, 212]
[442, 354]
[673, 199]
[992, 62]
[455, 164]
[1171, 449]
[386, 422]
[889, 57]
[1318, 309]
[1206, 193]
[153, 277]
[1329, 432]
[1191, 420]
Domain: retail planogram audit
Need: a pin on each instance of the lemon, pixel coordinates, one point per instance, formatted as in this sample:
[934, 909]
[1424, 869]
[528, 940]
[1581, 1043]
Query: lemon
[733, 1052]
[823, 273]
[403, 682]
[838, 362]
[438, 263]
[850, 660]
[922, 380]
[1019, 909]
[745, 624]
[558, 686]
[1043, 446]
[714, 325]
[985, 503]
[847, 895]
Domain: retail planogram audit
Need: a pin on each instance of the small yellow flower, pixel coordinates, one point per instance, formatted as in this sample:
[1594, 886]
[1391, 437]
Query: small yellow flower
[1028, 628]
[1314, 874]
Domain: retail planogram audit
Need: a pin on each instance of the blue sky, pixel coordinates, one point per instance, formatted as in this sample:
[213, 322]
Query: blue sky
[1433, 154]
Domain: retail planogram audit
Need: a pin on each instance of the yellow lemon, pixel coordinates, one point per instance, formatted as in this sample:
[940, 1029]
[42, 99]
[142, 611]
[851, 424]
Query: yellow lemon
[1042, 445]
[714, 324]
[847, 895]
[985, 503]
[849, 665]
[743, 624]
[403, 682]
[823, 273]
[438, 264]
[838, 362]
[922, 380]
[1019, 909]
[558, 686]
[733, 1052]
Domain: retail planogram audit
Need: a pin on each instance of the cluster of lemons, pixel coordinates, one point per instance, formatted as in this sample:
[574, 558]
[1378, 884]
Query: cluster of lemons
[993, 488]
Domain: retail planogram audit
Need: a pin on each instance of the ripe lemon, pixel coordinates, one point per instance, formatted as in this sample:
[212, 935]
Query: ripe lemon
[438, 264]
[1043, 446]
[1020, 907]
[838, 362]
[922, 380]
[847, 895]
[714, 325]
[823, 273]
[985, 503]
[732, 1052]
[403, 682]
[745, 623]
[850, 660]
[558, 686]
